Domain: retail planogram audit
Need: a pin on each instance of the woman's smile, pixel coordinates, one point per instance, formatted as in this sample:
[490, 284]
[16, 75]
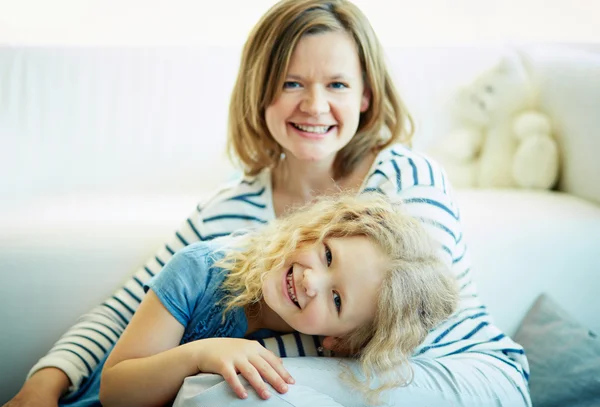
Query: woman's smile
[312, 132]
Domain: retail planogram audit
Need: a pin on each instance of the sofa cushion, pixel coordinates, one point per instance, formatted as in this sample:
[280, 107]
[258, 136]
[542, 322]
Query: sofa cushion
[564, 357]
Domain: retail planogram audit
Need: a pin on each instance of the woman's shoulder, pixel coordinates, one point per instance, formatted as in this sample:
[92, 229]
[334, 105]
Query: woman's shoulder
[404, 167]
[406, 156]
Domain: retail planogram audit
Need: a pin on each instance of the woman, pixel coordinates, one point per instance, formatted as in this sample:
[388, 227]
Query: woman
[314, 111]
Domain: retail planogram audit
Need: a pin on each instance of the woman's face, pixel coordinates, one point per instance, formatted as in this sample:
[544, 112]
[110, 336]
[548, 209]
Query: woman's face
[329, 289]
[318, 110]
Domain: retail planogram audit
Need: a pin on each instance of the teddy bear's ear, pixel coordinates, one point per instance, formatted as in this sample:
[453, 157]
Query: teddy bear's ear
[507, 64]
[510, 62]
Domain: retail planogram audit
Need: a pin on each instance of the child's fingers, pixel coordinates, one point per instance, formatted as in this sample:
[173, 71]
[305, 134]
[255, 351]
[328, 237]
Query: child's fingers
[247, 370]
[277, 364]
[231, 377]
[270, 374]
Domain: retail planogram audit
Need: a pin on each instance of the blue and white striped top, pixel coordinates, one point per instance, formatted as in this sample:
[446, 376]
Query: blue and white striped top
[248, 203]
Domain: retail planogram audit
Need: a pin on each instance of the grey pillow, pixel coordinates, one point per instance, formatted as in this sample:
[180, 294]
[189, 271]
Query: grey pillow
[564, 357]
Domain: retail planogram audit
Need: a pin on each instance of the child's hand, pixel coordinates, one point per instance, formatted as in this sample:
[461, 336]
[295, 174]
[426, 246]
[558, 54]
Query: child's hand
[230, 356]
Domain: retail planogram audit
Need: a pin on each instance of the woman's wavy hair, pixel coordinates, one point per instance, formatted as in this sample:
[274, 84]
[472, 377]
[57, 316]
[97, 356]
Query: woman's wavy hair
[263, 68]
[418, 290]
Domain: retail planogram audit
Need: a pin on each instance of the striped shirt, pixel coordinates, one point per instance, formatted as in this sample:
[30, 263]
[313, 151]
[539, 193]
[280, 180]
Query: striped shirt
[248, 203]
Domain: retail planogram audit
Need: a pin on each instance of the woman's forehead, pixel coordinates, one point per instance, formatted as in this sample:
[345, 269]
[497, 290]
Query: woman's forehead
[328, 54]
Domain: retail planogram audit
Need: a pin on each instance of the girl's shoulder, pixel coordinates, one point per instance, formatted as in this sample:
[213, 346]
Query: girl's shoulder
[207, 252]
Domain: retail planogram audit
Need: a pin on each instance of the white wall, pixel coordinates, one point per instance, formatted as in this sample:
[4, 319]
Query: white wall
[202, 22]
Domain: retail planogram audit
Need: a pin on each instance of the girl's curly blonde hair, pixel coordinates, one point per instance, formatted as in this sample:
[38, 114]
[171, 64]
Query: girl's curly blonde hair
[263, 68]
[418, 291]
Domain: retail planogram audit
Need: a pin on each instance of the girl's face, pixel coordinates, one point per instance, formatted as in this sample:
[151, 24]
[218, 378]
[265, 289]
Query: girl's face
[329, 289]
[319, 108]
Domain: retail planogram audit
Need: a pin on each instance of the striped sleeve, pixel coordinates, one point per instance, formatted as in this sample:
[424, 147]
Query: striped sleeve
[86, 343]
[422, 185]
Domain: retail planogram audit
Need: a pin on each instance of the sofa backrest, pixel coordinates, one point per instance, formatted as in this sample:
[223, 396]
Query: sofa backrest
[154, 119]
[569, 84]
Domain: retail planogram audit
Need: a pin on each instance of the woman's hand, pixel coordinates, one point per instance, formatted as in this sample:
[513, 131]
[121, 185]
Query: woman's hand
[28, 397]
[43, 389]
[230, 356]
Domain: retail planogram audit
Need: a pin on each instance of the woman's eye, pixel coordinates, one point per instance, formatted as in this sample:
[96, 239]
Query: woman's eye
[328, 256]
[290, 85]
[337, 301]
[338, 85]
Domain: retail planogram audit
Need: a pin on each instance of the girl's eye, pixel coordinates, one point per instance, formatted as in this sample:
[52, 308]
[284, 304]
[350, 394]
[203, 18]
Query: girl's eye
[290, 85]
[337, 301]
[328, 256]
[338, 85]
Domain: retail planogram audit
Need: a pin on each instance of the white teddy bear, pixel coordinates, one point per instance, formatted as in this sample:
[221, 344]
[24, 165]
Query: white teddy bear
[500, 141]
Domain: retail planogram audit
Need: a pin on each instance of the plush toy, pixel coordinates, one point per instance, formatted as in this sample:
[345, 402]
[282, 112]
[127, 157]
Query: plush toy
[499, 139]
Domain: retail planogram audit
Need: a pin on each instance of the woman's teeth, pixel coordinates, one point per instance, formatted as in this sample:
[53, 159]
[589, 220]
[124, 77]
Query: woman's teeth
[312, 129]
[290, 288]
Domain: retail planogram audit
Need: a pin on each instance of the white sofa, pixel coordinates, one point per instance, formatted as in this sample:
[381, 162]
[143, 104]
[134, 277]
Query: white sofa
[104, 152]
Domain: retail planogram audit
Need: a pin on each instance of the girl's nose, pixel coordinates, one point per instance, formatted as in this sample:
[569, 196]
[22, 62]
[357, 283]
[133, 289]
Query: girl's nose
[312, 282]
[315, 103]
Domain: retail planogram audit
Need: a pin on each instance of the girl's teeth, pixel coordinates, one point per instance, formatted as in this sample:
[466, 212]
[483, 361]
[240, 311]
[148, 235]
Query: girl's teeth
[291, 288]
[312, 129]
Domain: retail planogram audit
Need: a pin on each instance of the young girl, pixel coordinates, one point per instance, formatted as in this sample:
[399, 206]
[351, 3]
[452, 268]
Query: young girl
[314, 110]
[355, 268]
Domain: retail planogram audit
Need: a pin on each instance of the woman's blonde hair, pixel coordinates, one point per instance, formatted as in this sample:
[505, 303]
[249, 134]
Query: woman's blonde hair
[417, 292]
[263, 68]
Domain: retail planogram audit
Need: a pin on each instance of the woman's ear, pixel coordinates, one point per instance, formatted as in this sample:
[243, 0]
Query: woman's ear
[365, 102]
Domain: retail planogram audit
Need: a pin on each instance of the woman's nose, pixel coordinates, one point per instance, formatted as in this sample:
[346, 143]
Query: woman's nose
[315, 103]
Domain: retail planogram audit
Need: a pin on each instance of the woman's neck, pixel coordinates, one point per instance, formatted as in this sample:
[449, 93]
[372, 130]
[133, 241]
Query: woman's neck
[298, 182]
[303, 181]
